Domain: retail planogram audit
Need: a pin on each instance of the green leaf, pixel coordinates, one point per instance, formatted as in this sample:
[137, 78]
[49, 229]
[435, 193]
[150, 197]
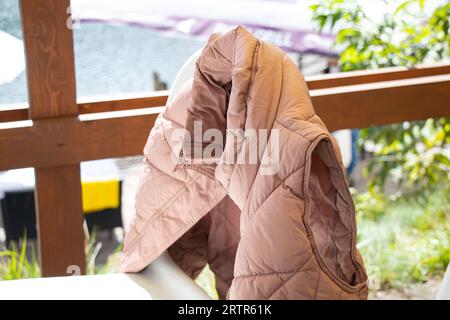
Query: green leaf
[403, 6]
[22, 254]
[422, 4]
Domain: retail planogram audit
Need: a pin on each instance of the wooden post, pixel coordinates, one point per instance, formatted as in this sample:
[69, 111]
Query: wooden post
[52, 95]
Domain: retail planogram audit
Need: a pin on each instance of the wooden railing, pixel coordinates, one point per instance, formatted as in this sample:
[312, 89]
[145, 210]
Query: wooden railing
[62, 132]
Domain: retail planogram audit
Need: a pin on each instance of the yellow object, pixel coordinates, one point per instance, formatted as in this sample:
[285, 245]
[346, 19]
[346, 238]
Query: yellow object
[100, 195]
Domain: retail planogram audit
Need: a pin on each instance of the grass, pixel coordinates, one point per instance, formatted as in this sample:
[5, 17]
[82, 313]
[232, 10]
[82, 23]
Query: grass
[14, 263]
[405, 240]
[20, 262]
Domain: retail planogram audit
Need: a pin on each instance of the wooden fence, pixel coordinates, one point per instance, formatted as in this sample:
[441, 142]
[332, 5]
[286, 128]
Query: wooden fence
[62, 132]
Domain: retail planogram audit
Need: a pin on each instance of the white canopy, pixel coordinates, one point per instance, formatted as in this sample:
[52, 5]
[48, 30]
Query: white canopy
[285, 23]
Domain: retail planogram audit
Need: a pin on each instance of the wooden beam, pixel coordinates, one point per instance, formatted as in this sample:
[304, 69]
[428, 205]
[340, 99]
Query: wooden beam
[382, 103]
[51, 93]
[156, 99]
[49, 58]
[60, 220]
[67, 141]
[159, 98]
[17, 114]
[340, 79]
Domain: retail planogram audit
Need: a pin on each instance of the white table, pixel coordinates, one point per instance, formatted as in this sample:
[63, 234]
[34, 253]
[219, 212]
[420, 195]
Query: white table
[161, 280]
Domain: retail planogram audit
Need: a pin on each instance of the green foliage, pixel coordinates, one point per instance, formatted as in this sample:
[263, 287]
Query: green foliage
[371, 203]
[402, 38]
[92, 249]
[21, 263]
[111, 265]
[14, 263]
[414, 152]
[408, 239]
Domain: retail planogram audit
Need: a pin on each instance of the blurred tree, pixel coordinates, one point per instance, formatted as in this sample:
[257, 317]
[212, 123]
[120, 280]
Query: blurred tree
[412, 32]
